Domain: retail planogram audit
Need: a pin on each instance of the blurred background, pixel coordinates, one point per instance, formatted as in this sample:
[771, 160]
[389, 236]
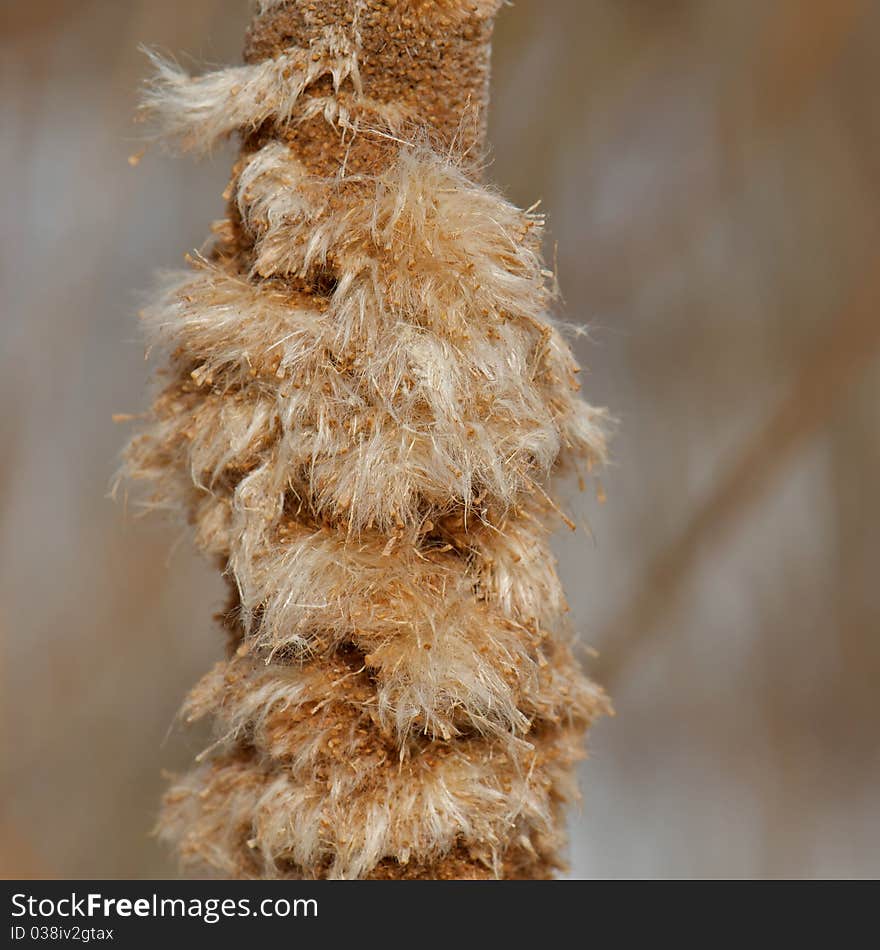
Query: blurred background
[711, 172]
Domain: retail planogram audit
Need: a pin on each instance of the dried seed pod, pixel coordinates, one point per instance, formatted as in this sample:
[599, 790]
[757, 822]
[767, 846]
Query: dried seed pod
[366, 401]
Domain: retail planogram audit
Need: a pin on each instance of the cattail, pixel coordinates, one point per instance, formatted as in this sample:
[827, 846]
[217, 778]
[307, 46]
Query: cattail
[364, 402]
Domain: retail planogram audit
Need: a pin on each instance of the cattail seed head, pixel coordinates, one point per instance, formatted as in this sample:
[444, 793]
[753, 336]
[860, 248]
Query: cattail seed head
[365, 403]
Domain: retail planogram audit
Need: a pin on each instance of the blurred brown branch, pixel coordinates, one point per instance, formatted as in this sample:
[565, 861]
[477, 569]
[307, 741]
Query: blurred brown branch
[837, 362]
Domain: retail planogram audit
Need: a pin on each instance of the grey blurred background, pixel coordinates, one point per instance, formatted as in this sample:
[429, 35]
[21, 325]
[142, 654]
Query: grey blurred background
[711, 172]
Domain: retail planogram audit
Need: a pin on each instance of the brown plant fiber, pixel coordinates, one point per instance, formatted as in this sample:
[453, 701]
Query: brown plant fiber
[363, 405]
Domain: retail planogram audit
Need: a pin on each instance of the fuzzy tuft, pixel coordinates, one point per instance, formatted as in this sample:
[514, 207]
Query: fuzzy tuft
[197, 112]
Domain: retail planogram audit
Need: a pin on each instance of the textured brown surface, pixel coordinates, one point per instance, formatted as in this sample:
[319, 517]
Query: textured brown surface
[458, 866]
[430, 57]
